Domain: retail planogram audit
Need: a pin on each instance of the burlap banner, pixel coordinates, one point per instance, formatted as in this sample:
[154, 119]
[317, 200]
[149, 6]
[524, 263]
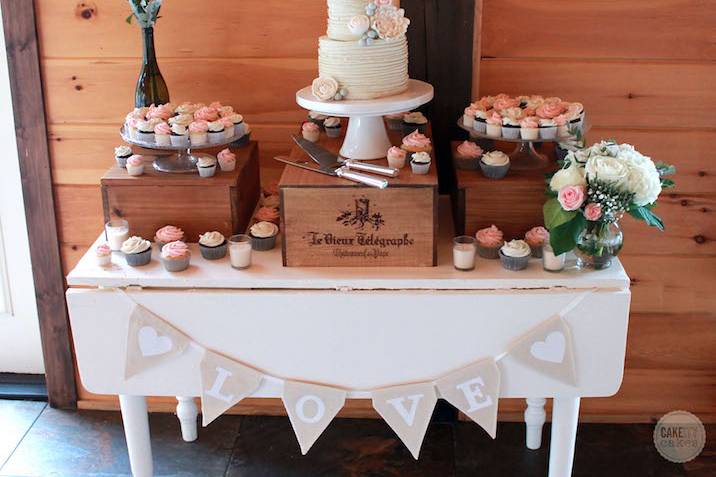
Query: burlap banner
[311, 409]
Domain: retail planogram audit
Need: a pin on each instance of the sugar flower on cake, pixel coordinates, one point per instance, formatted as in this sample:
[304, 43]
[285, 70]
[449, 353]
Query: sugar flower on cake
[359, 24]
[325, 88]
[390, 22]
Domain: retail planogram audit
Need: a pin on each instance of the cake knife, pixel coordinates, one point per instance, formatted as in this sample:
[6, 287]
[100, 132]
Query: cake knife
[325, 158]
[339, 171]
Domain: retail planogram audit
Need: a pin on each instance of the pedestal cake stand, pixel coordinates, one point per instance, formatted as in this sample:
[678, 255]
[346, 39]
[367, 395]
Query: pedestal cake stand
[184, 160]
[366, 137]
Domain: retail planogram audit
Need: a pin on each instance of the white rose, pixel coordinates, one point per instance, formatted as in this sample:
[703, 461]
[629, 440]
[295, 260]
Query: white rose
[324, 88]
[644, 181]
[571, 176]
[359, 24]
[607, 169]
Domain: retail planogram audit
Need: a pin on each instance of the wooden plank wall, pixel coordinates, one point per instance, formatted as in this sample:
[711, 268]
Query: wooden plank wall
[646, 73]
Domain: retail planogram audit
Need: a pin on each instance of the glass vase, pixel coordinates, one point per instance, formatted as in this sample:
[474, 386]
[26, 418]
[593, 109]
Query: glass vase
[598, 244]
[151, 87]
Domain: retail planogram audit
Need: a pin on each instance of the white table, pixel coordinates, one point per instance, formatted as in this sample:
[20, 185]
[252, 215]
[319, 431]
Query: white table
[358, 329]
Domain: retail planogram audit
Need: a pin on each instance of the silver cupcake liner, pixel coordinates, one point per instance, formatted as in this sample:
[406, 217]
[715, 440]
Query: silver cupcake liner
[549, 132]
[333, 132]
[491, 253]
[536, 251]
[514, 264]
[480, 126]
[139, 259]
[176, 265]
[122, 161]
[510, 132]
[179, 141]
[213, 253]
[494, 172]
[263, 244]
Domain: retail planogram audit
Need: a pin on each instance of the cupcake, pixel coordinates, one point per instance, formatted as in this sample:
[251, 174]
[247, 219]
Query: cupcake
[562, 125]
[186, 108]
[103, 255]
[467, 156]
[268, 214]
[181, 119]
[317, 118]
[166, 234]
[179, 136]
[137, 251]
[489, 241]
[413, 121]
[547, 129]
[273, 201]
[333, 127]
[217, 133]
[206, 113]
[510, 128]
[575, 115]
[480, 124]
[176, 256]
[239, 125]
[135, 165]
[121, 154]
[263, 236]
[162, 112]
[416, 142]
[162, 134]
[396, 157]
[225, 111]
[130, 125]
[468, 117]
[494, 125]
[199, 133]
[245, 136]
[395, 121]
[495, 164]
[515, 255]
[420, 163]
[206, 166]
[212, 245]
[311, 131]
[271, 188]
[145, 131]
[227, 160]
[529, 128]
[536, 238]
[229, 128]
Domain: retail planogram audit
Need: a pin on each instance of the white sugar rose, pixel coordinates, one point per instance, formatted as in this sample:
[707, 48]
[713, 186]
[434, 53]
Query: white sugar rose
[359, 24]
[644, 181]
[324, 88]
[607, 169]
[571, 176]
[390, 22]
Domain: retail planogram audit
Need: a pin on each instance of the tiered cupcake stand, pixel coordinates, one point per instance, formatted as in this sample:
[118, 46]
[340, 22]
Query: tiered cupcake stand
[366, 137]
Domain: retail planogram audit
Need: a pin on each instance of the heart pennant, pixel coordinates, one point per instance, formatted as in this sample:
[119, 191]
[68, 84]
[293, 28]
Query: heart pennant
[548, 349]
[474, 390]
[150, 342]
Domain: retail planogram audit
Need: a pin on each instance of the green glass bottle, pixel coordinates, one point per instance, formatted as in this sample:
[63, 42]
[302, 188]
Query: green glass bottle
[151, 87]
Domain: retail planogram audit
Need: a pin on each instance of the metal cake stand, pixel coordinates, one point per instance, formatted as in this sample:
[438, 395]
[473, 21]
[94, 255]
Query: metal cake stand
[184, 159]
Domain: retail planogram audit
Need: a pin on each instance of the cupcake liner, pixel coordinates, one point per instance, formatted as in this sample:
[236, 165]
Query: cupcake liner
[214, 253]
[480, 126]
[531, 134]
[145, 137]
[536, 251]
[333, 132]
[468, 121]
[176, 264]
[420, 169]
[179, 141]
[396, 163]
[493, 130]
[227, 167]
[549, 132]
[135, 170]
[394, 124]
[122, 161]
[229, 132]
[207, 171]
[199, 139]
[510, 132]
[263, 244]
[217, 137]
[139, 259]
[514, 264]
[494, 172]
[467, 163]
[104, 260]
[491, 253]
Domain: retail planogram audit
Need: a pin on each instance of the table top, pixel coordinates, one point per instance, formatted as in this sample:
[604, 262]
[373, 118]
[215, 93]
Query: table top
[268, 272]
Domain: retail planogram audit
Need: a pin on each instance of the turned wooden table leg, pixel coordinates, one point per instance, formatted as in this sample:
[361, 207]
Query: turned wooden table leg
[535, 418]
[187, 413]
[136, 431]
[565, 416]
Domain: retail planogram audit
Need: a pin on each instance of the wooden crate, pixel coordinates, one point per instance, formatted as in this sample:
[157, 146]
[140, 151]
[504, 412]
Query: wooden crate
[225, 202]
[331, 222]
[514, 203]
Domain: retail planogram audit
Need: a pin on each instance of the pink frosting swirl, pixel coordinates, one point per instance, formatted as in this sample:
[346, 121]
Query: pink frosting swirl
[103, 250]
[490, 237]
[216, 105]
[176, 249]
[415, 139]
[226, 122]
[549, 110]
[169, 233]
[206, 113]
[267, 214]
[536, 236]
[494, 118]
[397, 153]
[135, 160]
[200, 126]
[226, 156]
[469, 149]
[560, 120]
[505, 102]
[162, 128]
[310, 127]
[530, 122]
[162, 112]
[470, 111]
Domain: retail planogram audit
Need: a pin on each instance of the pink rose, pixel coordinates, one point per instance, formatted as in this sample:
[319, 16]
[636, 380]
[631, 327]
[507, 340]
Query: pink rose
[593, 212]
[571, 197]
[384, 3]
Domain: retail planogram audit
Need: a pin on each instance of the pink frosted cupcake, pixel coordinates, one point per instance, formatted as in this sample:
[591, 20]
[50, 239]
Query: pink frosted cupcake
[176, 256]
[489, 242]
[207, 113]
[311, 131]
[103, 255]
[135, 165]
[229, 128]
[562, 125]
[467, 156]
[468, 117]
[199, 133]
[529, 128]
[163, 112]
[417, 142]
[162, 134]
[396, 157]
[494, 125]
[268, 214]
[166, 234]
[227, 160]
[536, 238]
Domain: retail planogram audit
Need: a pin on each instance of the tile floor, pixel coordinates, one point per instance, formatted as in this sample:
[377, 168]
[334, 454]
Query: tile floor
[36, 440]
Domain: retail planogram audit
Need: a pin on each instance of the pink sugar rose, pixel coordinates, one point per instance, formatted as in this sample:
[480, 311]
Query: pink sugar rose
[571, 197]
[593, 212]
[384, 3]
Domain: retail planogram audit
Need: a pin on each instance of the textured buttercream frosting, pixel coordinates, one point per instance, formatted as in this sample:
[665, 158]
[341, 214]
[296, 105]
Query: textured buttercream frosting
[339, 14]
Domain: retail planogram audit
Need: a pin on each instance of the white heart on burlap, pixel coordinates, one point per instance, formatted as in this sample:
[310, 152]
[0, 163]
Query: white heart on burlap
[552, 349]
[151, 344]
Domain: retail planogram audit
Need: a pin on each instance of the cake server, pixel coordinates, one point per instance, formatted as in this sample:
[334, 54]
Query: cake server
[325, 158]
[339, 171]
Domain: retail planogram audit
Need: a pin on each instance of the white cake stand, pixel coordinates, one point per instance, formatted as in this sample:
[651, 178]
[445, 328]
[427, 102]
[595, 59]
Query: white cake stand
[366, 137]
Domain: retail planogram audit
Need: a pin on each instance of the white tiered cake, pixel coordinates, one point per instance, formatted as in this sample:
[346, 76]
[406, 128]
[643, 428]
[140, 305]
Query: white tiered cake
[365, 52]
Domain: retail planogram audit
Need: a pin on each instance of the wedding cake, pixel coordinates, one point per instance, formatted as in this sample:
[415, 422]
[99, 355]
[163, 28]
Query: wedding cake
[364, 54]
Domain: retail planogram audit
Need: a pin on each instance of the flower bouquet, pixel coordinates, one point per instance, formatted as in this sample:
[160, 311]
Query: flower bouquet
[591, 193]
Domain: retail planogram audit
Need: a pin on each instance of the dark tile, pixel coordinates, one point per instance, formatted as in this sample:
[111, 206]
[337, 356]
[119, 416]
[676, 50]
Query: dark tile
[705, 464]
[16, 417]
[267, 447]
[83, 444]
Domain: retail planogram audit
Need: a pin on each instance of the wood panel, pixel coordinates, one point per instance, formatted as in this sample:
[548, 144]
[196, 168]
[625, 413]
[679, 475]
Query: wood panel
[638, 29]
[616, 94]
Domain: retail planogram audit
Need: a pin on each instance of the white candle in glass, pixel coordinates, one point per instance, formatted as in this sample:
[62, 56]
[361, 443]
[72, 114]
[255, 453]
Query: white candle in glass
[240, 251]
[550, 261]
[116, 232]
[463, 253]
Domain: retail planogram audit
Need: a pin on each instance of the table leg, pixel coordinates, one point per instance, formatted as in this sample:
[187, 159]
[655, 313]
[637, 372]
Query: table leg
[136, 431]
[187, 413]
[534, 420]
[565, 415]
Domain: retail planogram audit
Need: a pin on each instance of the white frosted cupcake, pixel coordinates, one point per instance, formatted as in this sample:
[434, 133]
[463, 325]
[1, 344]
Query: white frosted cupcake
[135, 165]
[217, 132]
[332, 127]
[263, 236]
[212, 245]
[529, 128]
[547, 129]
[121, 154]
[199, 133]
[179, 136]
[515, 255]
[206, 166]
[162, 134]
[420, 163]
[468, 117]
[182, 119]
[480, 124]
[494, 125]
[137, 251]
[495, 164]
[510, 128]
[397, 157]
[145, 131]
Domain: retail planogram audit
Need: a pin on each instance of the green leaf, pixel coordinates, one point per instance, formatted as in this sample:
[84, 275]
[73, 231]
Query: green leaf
[555, 215]
[645, 214]
[129, 19]
[667, 183]
[665, 169]
[564, 238]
